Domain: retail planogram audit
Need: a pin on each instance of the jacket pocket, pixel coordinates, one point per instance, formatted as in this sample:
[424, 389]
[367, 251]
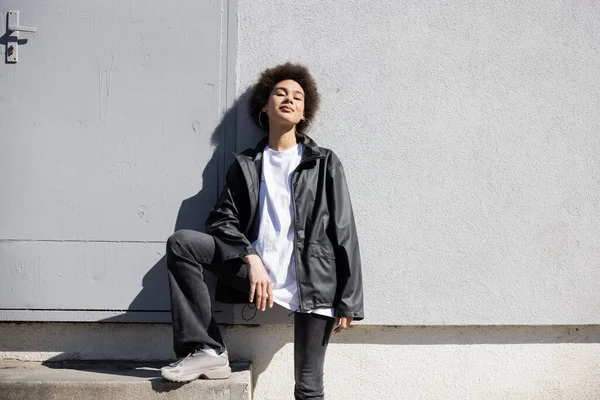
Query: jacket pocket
[320, 251]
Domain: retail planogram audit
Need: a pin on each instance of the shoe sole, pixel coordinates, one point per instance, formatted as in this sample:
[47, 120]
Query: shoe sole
[215, 373]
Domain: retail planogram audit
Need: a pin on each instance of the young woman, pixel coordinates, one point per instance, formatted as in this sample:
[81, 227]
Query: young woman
[282, 232]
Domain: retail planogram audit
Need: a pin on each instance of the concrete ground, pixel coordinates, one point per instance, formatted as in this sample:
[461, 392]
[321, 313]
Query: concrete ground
[99, 380]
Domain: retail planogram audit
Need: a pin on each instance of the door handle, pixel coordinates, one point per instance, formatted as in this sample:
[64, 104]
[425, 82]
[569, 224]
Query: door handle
[12, 42]
[13, 23]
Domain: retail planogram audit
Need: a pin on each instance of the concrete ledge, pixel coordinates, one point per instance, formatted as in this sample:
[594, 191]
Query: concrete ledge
[98, 380]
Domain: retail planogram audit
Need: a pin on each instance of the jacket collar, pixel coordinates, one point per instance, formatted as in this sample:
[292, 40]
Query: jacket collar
[311, 149]
[251, 164]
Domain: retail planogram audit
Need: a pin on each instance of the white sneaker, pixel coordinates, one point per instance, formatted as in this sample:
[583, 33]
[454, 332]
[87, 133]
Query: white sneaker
[202, 363]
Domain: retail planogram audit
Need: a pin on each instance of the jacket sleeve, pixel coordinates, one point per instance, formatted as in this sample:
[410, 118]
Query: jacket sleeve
[349, 292]
[226, 220]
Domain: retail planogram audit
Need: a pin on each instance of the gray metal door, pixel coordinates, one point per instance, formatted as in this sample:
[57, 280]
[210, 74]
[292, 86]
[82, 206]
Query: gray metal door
[111, 137]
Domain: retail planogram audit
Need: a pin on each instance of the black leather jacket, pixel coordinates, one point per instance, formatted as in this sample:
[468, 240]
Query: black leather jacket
[328, 267]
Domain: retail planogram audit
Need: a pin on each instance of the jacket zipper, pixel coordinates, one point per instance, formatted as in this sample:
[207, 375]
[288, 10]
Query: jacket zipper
[300, 303]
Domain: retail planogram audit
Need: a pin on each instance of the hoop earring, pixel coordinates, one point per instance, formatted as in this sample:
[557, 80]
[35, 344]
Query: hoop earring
[259, 119]
[308, 124]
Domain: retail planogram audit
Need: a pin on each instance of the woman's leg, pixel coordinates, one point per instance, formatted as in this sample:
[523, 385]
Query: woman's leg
[188, 254]
[311, 336]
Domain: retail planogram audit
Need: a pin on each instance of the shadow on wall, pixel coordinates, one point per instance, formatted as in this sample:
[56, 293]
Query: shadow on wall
[154, 296]
[152, 303]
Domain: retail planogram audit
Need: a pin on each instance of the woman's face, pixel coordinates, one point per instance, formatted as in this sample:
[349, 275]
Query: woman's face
[286, 103]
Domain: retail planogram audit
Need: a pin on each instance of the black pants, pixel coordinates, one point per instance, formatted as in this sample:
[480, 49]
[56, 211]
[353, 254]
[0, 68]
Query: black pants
[189, 253]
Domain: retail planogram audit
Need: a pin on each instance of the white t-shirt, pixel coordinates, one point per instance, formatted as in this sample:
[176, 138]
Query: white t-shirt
[275, 240]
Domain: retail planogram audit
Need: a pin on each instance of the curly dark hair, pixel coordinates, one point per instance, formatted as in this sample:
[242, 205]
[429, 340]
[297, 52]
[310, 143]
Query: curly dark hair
[272, 76]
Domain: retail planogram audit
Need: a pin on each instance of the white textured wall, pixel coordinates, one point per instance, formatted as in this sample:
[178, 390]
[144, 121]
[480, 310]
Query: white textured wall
[364, 363]
[469, 132]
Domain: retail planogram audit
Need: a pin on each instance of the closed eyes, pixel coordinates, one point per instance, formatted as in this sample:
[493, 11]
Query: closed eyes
[283, 92]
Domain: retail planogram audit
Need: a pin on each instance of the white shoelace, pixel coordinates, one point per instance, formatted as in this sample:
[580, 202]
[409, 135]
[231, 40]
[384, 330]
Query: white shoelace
[176, 363]
[210, 351]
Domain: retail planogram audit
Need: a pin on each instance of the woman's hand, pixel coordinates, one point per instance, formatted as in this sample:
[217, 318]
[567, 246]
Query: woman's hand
[342, 323]
[260, 283]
